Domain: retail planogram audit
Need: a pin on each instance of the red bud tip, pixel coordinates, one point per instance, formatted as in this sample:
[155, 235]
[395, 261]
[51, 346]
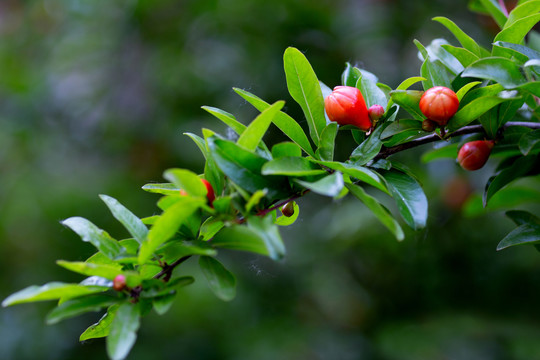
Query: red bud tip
[346, 106]
[439, 104]
[375, 112]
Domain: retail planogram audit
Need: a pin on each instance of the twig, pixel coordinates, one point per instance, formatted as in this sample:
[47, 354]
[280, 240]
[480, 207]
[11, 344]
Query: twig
[166, 273]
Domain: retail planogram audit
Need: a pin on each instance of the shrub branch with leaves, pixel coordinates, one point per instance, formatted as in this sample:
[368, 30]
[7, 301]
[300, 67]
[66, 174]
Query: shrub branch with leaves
[497, 91]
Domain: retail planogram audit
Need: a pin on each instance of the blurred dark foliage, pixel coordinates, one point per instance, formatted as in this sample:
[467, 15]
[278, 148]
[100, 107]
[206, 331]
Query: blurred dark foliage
[94, 98]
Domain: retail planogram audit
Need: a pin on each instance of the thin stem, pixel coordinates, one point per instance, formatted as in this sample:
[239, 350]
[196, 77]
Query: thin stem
[166, 273]
[435, 137]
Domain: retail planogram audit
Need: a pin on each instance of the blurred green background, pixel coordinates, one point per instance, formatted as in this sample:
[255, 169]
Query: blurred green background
[94, 98]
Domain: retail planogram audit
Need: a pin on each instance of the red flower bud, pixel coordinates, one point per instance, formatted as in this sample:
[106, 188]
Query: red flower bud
[474, 154]
[346, 106]
[210, 195]
[375, 112]
[119, 282]
[439, 104]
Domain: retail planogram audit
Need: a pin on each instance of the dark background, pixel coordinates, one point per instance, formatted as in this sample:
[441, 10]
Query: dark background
[94, 98]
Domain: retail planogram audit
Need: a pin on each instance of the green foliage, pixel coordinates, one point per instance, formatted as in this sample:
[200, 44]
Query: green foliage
[496, 91]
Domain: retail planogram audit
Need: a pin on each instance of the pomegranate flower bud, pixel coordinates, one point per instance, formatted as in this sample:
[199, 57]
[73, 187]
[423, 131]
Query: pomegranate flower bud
[439, 104]
[346, 106]
[474, 154]
[375, 112]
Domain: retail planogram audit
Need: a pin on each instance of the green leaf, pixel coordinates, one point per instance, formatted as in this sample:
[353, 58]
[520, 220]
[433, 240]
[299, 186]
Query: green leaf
[286, 148]
[244, 169]
[221, 281]
[187, 181]
[522, 11]
[520, 217]
[526, 234]
[465, 40]
[507, 198]
[528, 141]
[238, 237]
[361, 173]
[304, 88]
[526, 51]
[79, 306]
[291, 166]
[517, 30]
[351, 75]
[102, 327]
[380, 212]
[464, 56]
[162, 304]
[51, 291]
[283, 121]
[123, 331]
[444, 152]
[226, 118]
[473, 111]
[436, 51]
[368, 149]
[409, 100]
[165, 189]
[90, 269]
[289, 220]
[132, 223]
[254, 133]
[373, 95]
[199, 141]
[409, 197]
[407, 83]
[401, 126]
[521, 167]
[494, 9]
[435, 72]
[327, 143]
[465, 89]
[94, 235]
[330, 185]
[269, 233]
[499, 69]
[255, 199]
[168, 223]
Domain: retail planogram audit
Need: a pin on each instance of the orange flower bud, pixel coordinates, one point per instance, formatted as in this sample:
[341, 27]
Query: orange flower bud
[346, 106]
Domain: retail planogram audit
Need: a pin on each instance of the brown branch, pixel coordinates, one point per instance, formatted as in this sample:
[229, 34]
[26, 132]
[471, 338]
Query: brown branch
[435, 137]
[166, 273]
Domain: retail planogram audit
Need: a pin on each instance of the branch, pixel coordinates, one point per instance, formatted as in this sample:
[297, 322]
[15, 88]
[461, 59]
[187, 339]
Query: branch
[166, 273]
[435, 137]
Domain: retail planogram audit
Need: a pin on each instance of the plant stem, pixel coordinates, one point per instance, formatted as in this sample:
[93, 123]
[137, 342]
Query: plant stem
[435, 137]
[166, 273]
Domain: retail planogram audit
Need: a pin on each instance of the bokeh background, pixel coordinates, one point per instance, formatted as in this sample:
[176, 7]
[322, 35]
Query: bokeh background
[94, 99]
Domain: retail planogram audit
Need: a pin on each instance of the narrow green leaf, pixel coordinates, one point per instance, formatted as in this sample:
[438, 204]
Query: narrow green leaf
[465, 89]
[526, 234]
[283, 121]
[94, 235]
[221, 281]
[409, 197]
[123, 331]
[167, 225]
[522, 11]
[473, 111]
[162, 304]
[523, 166]
[407, 83]
[244, 169]
[199, 141]
[520, 217]
[132, 223]
[90, 269]
[437, 51]
[269, 233]
[517, 30]
[350, 75]
[465, 40]
[304, 88]
[499, 69]
[102, 327]
[327, 143]
[187, 181]
[286, 148]
[493, 8]
[255, 199]
[444, 152]
[78, 306]
[238, 237]
[226, 118]
[508, 198]
[433, 70]
[464, 56]
[254, 133]
[409, 100]
[330, 185]
[51, 291]
[361, 173]
[291, 166]
[373, 95]
[526, 51]
[164, 189]
[380, 212]
[173, 251]
[528, 141]
[370, 147]
[401, 126]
